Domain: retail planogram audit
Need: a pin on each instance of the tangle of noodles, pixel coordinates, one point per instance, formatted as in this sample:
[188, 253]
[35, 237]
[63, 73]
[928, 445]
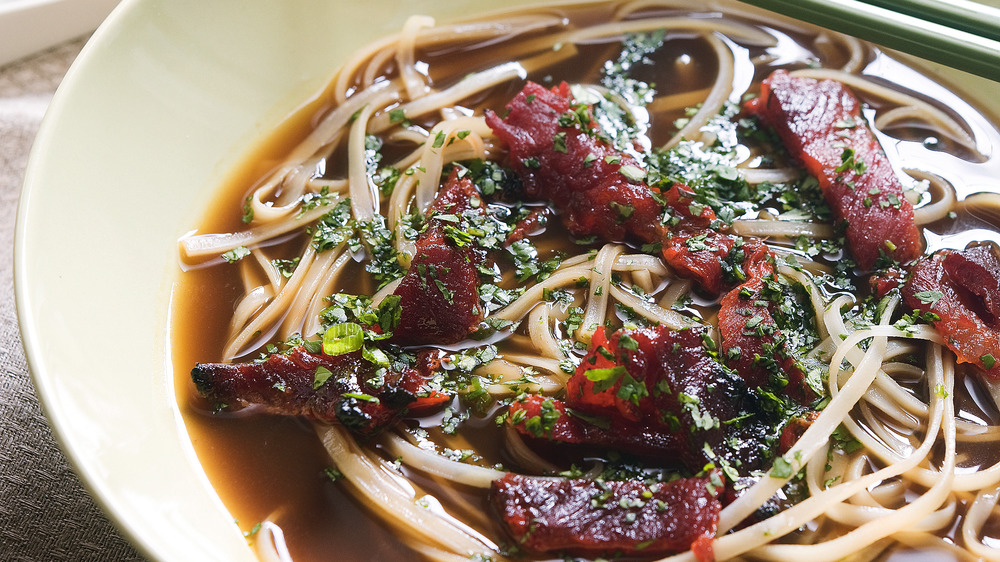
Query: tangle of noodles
[903, 452]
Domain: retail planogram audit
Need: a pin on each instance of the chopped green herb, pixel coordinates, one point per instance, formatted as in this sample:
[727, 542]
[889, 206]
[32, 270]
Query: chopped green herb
[247, 217]
[334, 227]
[849, 162]
[376, 356]
[333, 474]
[320, 377]
[397, 116]
[631, 389]
[988, 360]
[632, 173]
[286, 267]
[781, 469]
[623, 211]
[438, 140]
[543, 424]
[236, 254]
[848, 123]
[628, 342]
[253, 531]
[929, 297]
[604, 379]
[559, 142]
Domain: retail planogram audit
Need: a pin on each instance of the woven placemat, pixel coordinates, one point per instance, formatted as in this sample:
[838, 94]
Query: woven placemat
[45, 512]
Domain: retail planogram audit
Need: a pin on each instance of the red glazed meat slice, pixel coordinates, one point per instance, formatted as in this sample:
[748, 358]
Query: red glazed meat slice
[551, 419]
[644, 374]
[330, 388]
[555, 150]
[699, 257]
[689, 245]
[962, 288]
[655, 393]
[751, 339]
[820, 124]
[439, 295]
[593, 518]
[558, 154]
[977, 271]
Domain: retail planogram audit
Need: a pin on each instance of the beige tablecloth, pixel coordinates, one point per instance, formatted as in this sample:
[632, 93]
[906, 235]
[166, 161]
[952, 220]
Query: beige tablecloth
[45, 513]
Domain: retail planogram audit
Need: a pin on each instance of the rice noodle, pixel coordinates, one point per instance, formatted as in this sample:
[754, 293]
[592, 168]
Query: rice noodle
[468, 86]
[383, 487]
[432, 160]
[600, 289]
[405, 57]
[761, 175]
[201, 245]
[941, 204]
[789, 229]
[721, 92]
[432, 463]
[364, 195]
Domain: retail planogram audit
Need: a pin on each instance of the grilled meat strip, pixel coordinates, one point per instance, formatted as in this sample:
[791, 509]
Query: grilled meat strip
[345, 388]
[595, 518]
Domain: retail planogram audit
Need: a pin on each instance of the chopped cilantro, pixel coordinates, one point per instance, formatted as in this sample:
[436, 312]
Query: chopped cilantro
[628, 342]
[604, 379]
[321, 376]
[929, 297]
[247, 217]
[438, 140]
[236, 254]
[636, 51]
[849, 162]
[631, 389]
[632, 173]
[384, 263]
[286, 267]
[559, 142]
[334, 227]
[781, 469]
[988, 360]
[543, 424]
[397, 116]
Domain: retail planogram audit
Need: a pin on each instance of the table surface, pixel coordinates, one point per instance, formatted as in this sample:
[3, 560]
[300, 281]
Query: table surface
[45, 512]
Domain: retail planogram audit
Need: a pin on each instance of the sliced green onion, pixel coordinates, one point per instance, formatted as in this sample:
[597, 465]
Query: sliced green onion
[342, 338]
[362, 396]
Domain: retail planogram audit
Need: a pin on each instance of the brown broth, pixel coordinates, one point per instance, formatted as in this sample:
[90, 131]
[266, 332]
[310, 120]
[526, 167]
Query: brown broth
[272, 468]
[264, 467]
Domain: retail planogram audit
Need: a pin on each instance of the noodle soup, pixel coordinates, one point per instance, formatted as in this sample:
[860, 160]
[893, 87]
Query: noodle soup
[307, 252]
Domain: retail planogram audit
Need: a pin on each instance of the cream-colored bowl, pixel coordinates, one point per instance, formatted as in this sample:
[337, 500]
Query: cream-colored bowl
[160, 106]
